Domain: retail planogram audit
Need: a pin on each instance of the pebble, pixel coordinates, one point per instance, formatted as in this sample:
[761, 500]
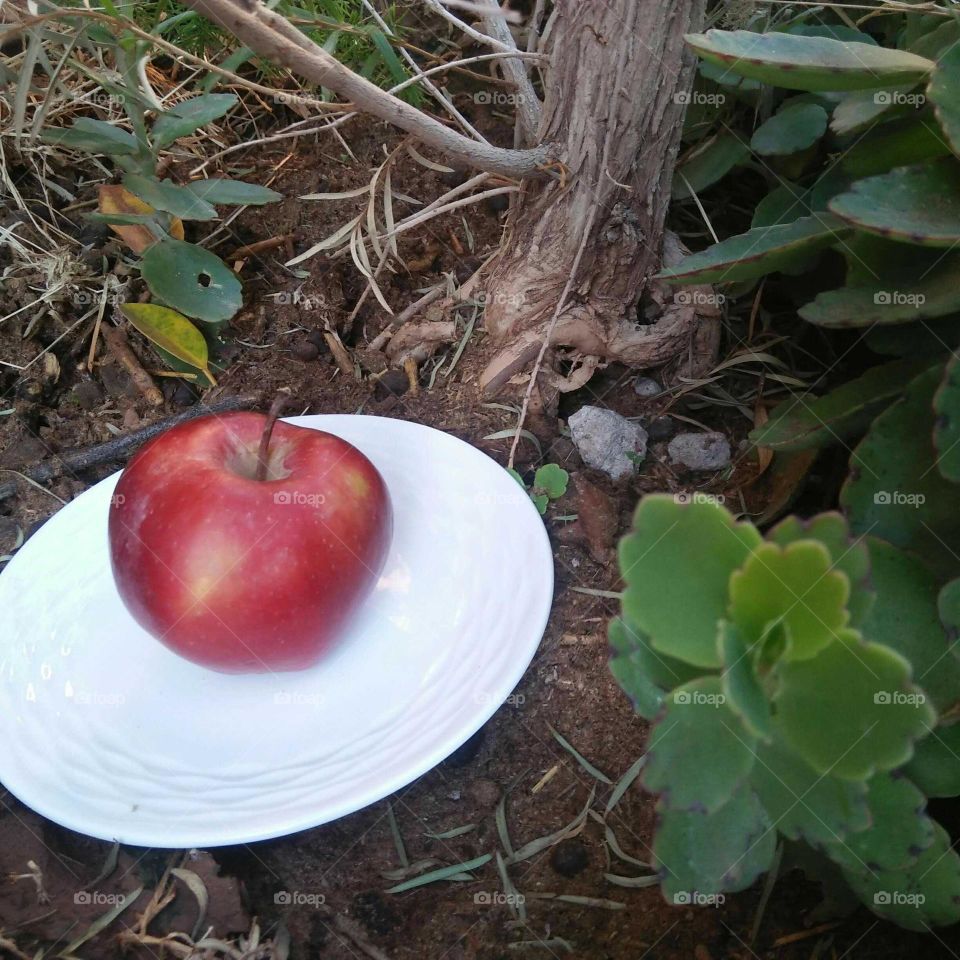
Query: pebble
[569, 858]
[305, 350]
[700, 451]
[646, 387]
[604, 438]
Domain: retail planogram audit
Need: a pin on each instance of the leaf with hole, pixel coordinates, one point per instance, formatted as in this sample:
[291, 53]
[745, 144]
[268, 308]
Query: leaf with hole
[192, 280]
[809, 62]
[171, 331]
[232, 192]
[164, 195]
[184, 118]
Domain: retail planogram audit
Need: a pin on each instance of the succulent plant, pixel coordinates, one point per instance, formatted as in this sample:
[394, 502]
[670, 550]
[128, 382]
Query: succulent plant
[799, 684]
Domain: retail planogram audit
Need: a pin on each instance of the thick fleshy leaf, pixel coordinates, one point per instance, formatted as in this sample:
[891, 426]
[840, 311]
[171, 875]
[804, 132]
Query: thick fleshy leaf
[946, 429]
[758, 251]
[851, 711]
[934, 43]
[863, 107]
[919, 204]
[164, 195]
[936, 294]
[114, 199]
[627, 667]
[948, 606]
[802, 803]
[931, 338]
[894, 490]
[235, 192]
[809, 63]
[192, 280]
[795, 586]
[802, 422]
[792, 128]
[699, 855]
[783, 204]
[923, 895]
[698, 751]
[672, 547]
[189, 115]
[906, 618]
[848, 555]
[743, 690]
[171, 331]
[943, 92]
[914, 139]
[899, 830]
[708, 165]
[551, 480]
[935, 767]
[94, 136]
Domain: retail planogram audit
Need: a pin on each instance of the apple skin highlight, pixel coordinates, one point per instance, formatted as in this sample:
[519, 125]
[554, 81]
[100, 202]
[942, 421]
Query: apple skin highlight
[243, 575]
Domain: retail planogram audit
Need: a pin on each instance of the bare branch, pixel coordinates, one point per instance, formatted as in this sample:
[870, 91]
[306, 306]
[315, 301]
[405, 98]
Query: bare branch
[441, 11]
[273, 37]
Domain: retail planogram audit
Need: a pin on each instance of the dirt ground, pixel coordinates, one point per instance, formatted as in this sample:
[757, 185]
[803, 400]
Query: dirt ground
[568, 686]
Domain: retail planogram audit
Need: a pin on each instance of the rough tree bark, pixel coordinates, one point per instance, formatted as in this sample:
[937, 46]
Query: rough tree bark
[613, 117]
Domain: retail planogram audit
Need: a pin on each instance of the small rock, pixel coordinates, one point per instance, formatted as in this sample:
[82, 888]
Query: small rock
[569, 858]
[485, 793]
[661, 428]
[394, 383]
[646, 387]
[604, 439]
[700, 451]
[305, 350]
[88, 394]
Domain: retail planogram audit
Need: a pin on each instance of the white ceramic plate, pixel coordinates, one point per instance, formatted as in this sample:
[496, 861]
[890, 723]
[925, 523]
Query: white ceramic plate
[105, 731]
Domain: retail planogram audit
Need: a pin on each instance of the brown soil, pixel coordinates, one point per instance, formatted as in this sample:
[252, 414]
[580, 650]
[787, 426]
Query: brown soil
[568, 686]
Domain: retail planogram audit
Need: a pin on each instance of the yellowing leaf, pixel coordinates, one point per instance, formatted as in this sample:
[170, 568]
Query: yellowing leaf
[115, 199]
[171, 331]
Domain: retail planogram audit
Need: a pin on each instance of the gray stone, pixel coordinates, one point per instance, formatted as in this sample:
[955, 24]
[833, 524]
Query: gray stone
[700, 451]
[604, 440]
[646, 387]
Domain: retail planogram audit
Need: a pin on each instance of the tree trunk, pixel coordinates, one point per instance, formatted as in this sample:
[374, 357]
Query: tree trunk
[613, 116]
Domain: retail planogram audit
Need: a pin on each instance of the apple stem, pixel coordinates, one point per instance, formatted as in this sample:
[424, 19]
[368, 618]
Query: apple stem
[280, 401]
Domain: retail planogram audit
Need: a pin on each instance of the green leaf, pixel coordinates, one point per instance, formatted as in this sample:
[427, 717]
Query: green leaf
[676, 564]
[851, 711]
[551, 480]
[743, 690]
[930, 338]
[540, 501]
[93, 136]
[189, 115]
[848, 555]
[943, 92]
[758, 251]
[698, 751]
[936, 294]
[794, 127]
[919, 204]
[709, 164]
[934, 43]
[899, 830]
[809, 63]
[192, 280]
[235, 192]
[164, 195]
[700, 854]
[122, 219]
[171, 331]
[898, 143]
[926, 894]
[201, 379]
[948, 606]
[946, 427]
[799, 423]
[783, 204]
[835, 31]
[905, 617]
[862, 107]
[935, 767]
[803, 803]
[894, 490]
[793, 585]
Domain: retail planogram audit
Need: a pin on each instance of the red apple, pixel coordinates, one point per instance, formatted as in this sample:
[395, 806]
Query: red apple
[242, 574]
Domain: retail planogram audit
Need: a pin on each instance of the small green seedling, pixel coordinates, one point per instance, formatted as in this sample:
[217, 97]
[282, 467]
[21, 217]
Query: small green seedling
[549, 483]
